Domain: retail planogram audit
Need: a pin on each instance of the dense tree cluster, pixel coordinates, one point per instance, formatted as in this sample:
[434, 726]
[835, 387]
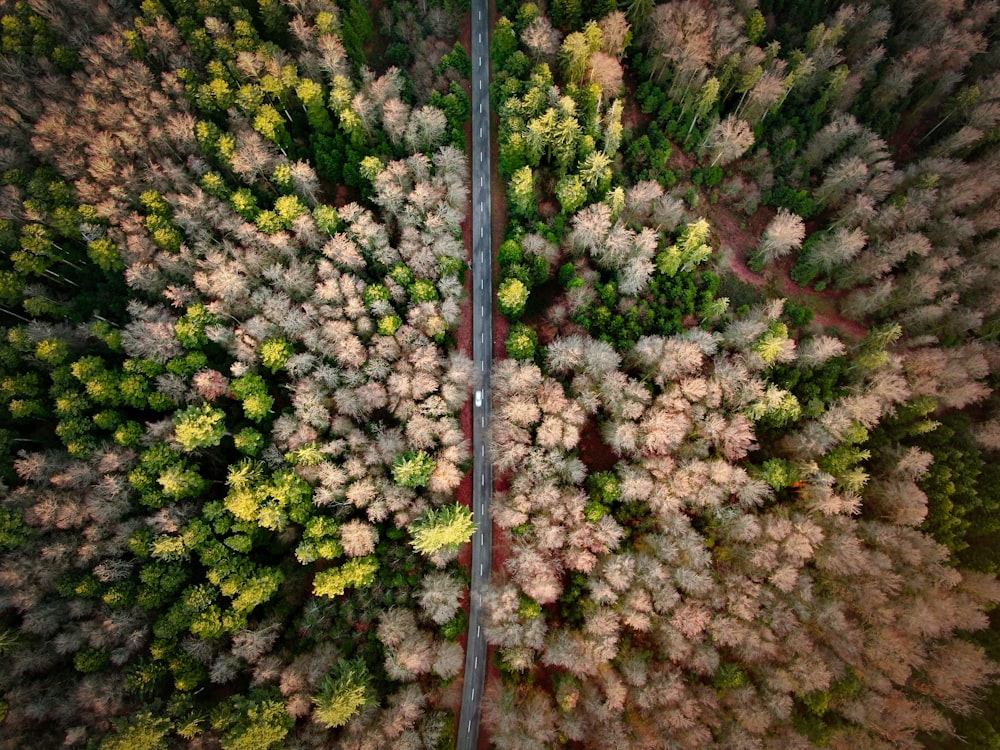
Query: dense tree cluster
[746, 433]
[743, 521]
[231, 281]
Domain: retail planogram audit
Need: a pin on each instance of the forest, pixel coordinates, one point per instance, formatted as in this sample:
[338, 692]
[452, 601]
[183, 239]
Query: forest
[745, 429]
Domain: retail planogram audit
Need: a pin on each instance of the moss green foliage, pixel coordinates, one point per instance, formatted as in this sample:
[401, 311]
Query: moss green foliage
[319, 541]
[413, 469]
[270, 500]
[522, 342]
[690, 250]
[255, 722]
[778, 473]
[252, 391]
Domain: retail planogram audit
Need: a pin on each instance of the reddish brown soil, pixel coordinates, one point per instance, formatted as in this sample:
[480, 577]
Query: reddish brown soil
[901, 144]
[464, 343]
[634, 118]
[501, 552]
[465, 37]
[680, 161]
[594, 451]
[338, 195]
[736, 244]
[450, 696]
[377, 43]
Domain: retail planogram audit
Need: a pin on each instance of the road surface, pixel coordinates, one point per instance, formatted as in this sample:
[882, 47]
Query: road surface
[482, 356]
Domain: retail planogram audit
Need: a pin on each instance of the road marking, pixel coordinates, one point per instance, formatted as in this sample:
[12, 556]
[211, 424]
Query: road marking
[478, 629]
[482, 450]
[482, 479]
[481, 231]
[482, 569]
[473, 693]
[480, 135]
[480, 283]
[480, 103]
[470, 725]
[480, 57]
[476, 663]
[482, 337]
[480, 41]
[482, 366]
[482, 420]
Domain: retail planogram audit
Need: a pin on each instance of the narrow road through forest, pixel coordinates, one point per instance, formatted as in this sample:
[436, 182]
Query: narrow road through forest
[482, 356]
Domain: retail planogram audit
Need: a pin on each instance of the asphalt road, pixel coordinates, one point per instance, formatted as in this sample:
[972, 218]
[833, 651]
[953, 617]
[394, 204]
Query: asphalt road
[482, 355]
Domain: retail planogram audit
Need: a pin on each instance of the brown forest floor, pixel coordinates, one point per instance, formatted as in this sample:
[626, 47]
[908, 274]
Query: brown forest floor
[738, 236]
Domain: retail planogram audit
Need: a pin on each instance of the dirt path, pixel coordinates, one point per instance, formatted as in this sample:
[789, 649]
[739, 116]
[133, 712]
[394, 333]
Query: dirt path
[738, 237]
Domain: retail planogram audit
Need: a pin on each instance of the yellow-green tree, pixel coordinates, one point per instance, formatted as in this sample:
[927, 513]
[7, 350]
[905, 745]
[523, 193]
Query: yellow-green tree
[255, 722]
[571, 193]
[334, 581]
[252, 391]
[707, 97]
[522, 191]
[199, 427]
[691, 249]
[275, 353]
[596, 171]
[445, 528]
[289, 208]
[512, 296]
[140, 732]
[573, 56]
[270, 124]
[522, 342]
[413, 469]
[271, 502]
[340, 698]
